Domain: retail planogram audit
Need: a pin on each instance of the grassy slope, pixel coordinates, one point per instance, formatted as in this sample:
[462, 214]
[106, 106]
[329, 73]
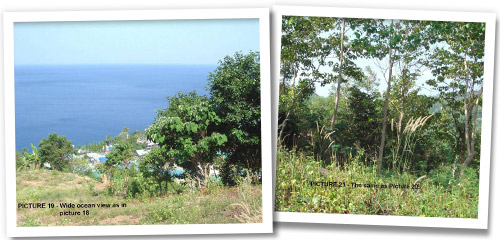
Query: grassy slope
[216, 205]
[440, 195]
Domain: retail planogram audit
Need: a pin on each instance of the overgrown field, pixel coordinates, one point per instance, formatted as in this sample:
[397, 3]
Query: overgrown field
[209, 205]
[439, 193]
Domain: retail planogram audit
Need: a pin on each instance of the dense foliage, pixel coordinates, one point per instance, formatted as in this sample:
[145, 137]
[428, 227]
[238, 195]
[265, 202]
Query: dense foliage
[425, 122]
[235, 95]
[56, 150]
[182, 131]
[156, 166]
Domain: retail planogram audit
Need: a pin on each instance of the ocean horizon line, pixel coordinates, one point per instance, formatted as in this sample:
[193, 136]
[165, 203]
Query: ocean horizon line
[99, 99]
[116, 64]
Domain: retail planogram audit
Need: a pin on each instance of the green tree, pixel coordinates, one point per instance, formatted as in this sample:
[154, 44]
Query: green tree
[56, 150]
[26, 160]
[363, 120]
[303, 52]
[109, 139]
[458, 65]
[126, 130]
[123, 135]
[156, 165]
[345, 42]
[120, 156]
[34, 158]
[388, 42]
[182, 130]
[121, 153]
[235, 95]
[384, 41]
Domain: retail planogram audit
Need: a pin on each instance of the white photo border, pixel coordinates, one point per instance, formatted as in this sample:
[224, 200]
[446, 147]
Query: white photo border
[489, 18]
[64, 16]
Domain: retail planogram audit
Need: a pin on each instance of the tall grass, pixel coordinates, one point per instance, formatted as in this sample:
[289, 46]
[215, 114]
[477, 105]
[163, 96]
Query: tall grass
[250, 207]
[402, 151]
[437, 196]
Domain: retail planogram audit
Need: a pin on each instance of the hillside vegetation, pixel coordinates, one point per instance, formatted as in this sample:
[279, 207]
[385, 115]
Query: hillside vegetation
[209, 205]
[437, 194]
[404, 110]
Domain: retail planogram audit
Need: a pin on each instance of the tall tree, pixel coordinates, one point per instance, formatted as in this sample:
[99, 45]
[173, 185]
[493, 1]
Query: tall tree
[458, 64]
[387, 37]
[182, 130]
[411, 49]
[234, 87]
[303, 52]
[393, 40]
[345, 42]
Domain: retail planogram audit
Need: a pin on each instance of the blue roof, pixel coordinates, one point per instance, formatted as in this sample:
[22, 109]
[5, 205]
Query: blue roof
[103, 159]
[176, 172]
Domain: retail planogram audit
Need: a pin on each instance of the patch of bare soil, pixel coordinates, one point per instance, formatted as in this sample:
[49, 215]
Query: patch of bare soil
[33, 183]
[120, 220]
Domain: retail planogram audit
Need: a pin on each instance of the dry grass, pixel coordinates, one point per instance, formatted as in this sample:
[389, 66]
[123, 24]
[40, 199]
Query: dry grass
[221, 205]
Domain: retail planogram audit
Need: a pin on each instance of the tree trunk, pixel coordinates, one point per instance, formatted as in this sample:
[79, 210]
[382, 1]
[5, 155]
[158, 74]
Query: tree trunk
[403, 99]
[467, 113]
[283, 124]
[166, 180]
[471, 152]
[289, 111]
[339, 81]
[401, 116]
[386, 106]
[201, 174]
[159, 184]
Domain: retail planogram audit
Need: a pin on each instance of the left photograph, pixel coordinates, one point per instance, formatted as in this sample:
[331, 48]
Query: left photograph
[139, 120]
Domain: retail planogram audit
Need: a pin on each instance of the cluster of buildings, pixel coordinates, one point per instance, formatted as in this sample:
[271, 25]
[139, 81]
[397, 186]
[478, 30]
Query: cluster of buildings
[100, 157]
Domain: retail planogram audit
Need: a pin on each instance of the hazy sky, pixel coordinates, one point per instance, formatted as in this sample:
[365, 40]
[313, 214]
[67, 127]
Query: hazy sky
[133, 42]
[382, 79]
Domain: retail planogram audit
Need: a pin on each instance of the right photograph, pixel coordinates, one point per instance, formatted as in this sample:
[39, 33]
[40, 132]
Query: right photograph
[383, 113]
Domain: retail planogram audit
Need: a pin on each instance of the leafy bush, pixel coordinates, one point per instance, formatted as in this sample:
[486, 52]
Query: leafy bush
[57, 151]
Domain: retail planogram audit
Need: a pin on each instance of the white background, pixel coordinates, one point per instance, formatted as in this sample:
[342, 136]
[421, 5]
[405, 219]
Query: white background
[287, 230]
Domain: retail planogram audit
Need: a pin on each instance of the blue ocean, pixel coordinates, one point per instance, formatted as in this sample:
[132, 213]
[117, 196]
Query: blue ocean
[86, 103]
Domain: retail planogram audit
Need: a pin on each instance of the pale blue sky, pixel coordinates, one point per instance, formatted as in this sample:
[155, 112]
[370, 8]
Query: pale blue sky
[134, 42]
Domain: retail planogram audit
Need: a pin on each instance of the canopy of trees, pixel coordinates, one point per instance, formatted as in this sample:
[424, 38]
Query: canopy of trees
[398, 127]
[404, 106]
